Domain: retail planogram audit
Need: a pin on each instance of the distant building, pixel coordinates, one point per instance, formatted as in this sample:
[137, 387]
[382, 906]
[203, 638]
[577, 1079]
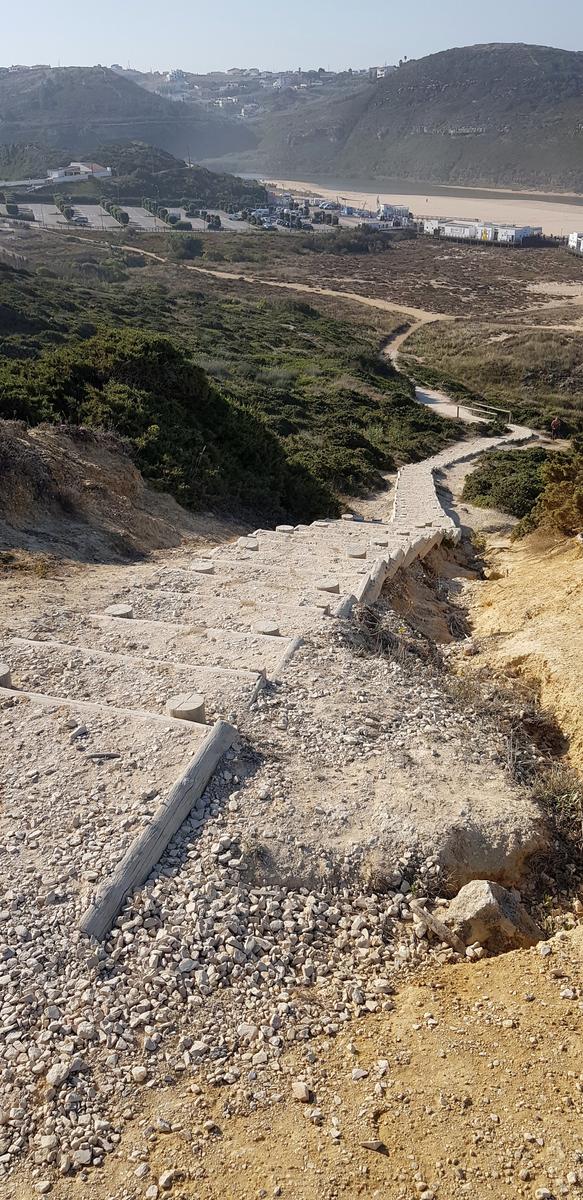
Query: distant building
[390, 212]
[79, 169]
[576, 243]
[479, 231]
[380, 72]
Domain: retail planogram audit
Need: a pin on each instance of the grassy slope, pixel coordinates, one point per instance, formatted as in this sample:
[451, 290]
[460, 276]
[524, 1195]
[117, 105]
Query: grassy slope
[535, 373]
[138, 170]
[315, 383]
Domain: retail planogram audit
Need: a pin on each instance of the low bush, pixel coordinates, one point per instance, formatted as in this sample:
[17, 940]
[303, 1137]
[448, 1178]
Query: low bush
[187, 438]
[183, 248]
[509, 480]
[560, 504]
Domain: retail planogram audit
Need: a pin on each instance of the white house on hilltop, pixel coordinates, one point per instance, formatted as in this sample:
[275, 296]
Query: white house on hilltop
[80, 168]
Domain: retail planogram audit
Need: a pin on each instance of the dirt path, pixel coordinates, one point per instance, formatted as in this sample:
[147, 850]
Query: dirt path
[419, 314]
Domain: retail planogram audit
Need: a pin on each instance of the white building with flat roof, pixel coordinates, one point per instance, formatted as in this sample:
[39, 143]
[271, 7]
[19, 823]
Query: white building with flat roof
[76, 169]
[480, 231]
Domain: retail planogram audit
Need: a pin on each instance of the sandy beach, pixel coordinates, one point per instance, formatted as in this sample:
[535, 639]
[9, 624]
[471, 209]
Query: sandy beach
[554, 216]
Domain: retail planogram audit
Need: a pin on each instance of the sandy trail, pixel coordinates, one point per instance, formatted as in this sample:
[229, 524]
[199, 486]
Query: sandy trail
[444, 406]
[420, 315]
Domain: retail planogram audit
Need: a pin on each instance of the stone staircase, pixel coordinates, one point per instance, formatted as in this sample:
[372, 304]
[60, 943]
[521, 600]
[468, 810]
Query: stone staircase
[199, 640]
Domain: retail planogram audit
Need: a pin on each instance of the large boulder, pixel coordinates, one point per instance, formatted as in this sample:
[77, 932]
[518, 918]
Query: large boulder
[488, 913]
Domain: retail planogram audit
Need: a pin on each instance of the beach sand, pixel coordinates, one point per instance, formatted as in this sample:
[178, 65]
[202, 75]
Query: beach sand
[554, 216]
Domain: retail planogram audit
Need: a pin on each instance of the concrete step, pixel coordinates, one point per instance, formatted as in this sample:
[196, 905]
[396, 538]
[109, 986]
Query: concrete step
[291, 575]
[124, 681]
[236, 614]
[89, 778]
[179, 643]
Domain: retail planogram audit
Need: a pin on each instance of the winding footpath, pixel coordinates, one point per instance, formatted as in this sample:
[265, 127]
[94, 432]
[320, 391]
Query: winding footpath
[184, 652]
[131, 948]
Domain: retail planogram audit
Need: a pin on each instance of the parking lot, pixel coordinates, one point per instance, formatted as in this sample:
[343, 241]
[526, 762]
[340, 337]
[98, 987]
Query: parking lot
[199, 226]
[45, 215]
[140, 218]
[97, 216]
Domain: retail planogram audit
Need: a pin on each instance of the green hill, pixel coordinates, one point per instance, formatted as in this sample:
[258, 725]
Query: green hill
[140, 170]
[493, 115]
[85, 106]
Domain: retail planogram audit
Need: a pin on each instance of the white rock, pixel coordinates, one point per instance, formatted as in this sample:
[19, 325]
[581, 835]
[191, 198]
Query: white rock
[58, 1073]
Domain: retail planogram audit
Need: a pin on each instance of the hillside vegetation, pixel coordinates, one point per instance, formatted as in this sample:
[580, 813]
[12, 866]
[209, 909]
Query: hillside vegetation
[138, 170]
[186, 437]
[509, 480]
[273, 406]
[536, 373]
[505, 114]
[502, 114]
[82, 107]
[27, 160]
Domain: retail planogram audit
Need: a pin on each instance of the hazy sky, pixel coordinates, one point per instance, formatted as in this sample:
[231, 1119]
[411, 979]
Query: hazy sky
[300, 33]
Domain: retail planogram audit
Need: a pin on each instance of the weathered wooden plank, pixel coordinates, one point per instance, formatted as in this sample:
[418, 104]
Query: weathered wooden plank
[148, 847]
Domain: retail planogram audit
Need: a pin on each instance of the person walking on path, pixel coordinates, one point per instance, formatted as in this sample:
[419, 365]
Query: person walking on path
[555, 427]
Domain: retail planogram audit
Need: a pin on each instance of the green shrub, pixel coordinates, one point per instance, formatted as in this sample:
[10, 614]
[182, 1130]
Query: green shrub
[188, 439]
[560, 504]
[184, 248]
[509, 480]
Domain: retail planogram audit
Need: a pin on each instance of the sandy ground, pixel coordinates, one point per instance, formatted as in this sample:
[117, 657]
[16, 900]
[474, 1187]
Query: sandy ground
[555, 217]
[527, 617]
[529, 621]
[472, 1087]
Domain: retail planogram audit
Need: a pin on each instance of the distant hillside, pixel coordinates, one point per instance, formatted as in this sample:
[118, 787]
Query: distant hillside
[79, 106]
[140, 170]
[506, 115]
[26, 160]
[493, 114]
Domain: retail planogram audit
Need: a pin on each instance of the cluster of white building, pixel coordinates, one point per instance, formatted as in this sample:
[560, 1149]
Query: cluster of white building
[576, 243]
[480, 231]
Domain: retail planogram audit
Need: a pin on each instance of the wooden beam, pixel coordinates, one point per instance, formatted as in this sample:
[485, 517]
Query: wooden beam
[149, 846]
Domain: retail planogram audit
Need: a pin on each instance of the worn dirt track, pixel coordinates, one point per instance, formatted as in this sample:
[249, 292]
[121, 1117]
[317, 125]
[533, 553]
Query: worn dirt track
[420, 315]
